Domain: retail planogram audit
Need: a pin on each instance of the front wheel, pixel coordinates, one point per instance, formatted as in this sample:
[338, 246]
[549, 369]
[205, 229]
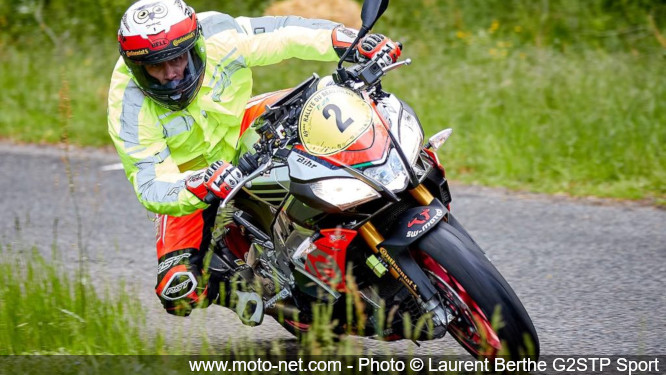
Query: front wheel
[489, 319]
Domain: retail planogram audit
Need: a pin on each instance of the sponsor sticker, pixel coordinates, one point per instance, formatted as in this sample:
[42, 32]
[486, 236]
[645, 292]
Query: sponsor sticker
[391, 262]
[137, 52]
[159, 43]
[168, 263]
[178, 288]
[439, 213]
[183, 39]
[183, 288]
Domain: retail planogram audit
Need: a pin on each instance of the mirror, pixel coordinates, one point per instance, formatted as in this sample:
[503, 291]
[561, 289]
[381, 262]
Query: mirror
[370, 13]
[372, 10]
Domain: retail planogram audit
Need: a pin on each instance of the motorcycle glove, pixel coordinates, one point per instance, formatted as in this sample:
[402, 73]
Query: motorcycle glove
[180, 283]
[379, 48]
[220, 178]
[372, 47]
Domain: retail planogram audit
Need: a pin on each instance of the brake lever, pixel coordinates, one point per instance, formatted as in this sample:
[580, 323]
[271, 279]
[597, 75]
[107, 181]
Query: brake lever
[396, 65]
[261, 169]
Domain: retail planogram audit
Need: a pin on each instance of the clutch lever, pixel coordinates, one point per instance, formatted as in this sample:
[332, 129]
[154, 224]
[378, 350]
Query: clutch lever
[261, 169]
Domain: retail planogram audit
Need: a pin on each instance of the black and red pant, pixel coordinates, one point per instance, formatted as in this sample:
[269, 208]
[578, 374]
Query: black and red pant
[182, 244]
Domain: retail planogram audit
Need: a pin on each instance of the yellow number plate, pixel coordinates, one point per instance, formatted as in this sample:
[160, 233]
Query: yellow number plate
[332, 119]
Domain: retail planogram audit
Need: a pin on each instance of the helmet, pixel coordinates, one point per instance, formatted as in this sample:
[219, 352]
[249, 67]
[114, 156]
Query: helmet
[154, 31]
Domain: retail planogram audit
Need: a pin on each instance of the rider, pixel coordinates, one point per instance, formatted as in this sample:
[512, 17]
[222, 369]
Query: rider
[176, 101]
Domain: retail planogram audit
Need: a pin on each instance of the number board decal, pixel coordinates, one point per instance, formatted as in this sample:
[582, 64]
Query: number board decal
[332, 119]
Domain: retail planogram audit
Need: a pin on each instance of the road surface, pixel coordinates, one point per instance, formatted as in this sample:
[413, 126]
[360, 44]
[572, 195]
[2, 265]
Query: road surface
[590, 273]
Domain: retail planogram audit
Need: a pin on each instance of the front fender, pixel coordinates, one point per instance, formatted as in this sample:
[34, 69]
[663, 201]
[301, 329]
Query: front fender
[414, 224]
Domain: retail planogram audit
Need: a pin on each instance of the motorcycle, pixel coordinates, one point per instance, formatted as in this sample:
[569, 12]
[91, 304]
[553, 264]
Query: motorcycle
[342, 199]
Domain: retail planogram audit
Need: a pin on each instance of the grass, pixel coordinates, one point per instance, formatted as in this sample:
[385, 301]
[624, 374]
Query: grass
[44, 310]
[47, 309]
[52, 320]
[584, 123]
[30, 110]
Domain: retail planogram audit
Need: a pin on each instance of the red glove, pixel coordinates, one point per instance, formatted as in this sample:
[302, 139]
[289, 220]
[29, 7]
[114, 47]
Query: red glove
[379, 48]
[220, 178]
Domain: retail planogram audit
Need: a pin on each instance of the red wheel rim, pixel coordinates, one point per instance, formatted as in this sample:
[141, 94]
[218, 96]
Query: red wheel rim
[480, 331]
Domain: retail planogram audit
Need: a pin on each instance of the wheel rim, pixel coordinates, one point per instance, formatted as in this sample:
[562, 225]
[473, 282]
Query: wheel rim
[302, 327]
[471, 328]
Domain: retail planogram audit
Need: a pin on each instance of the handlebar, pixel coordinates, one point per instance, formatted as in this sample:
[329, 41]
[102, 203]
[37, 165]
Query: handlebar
[368, 73]
[210, 198]
[248, 163]
[260, 169]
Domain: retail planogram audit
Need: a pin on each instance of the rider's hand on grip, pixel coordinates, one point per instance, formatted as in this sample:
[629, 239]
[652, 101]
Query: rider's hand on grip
[221, 177]
[379, 48]
[216, 181]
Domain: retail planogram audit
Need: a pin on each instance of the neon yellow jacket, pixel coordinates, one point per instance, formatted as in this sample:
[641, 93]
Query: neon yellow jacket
[159, 148]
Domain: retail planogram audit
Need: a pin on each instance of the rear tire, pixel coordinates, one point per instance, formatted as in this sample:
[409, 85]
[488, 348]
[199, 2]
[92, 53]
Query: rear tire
[457, 266]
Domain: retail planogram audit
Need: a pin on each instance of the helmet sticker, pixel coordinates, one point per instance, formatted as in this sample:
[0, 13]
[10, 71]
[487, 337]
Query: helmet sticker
[332, 119]
[183, 39]
[150, 12]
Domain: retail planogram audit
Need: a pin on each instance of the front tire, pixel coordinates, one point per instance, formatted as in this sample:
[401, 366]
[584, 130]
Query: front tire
[491, 320]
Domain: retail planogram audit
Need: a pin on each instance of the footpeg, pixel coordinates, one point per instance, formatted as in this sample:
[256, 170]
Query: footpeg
[250, 308]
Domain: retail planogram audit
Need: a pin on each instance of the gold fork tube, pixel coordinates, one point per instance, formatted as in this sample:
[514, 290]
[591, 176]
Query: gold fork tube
[373, 238]
[422, 195]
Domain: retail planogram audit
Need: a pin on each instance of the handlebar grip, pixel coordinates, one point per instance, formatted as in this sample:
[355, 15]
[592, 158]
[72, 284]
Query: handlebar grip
[248, 163]
[210, 198]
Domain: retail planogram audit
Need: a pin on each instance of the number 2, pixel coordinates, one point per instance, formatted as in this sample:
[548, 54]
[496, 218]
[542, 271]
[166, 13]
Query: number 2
[338, 115]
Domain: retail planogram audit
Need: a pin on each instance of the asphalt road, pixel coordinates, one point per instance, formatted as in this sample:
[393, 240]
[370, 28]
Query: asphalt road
[590, 273]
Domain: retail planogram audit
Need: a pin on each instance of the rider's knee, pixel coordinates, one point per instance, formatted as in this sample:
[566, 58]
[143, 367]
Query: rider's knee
[179, 282]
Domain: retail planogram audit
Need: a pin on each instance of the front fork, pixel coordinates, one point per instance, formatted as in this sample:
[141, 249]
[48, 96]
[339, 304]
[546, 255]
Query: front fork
[423, 293]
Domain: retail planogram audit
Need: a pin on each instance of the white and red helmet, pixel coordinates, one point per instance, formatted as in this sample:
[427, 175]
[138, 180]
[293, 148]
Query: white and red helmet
[154, 31]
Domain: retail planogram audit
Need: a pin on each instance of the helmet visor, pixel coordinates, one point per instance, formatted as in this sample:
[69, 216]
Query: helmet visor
[173, 94]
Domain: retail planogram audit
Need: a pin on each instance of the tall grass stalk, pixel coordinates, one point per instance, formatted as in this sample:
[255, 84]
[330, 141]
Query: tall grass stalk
[45, 310]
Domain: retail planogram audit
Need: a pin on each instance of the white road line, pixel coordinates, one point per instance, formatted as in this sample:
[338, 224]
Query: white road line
[112, 167]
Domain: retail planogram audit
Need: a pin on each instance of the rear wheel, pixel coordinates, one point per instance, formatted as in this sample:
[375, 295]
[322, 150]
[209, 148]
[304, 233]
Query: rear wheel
[490, 319]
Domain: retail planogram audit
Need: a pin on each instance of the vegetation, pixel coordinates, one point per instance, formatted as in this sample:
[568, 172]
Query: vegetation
[46, 309]
[551, 95]
[43, 311]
